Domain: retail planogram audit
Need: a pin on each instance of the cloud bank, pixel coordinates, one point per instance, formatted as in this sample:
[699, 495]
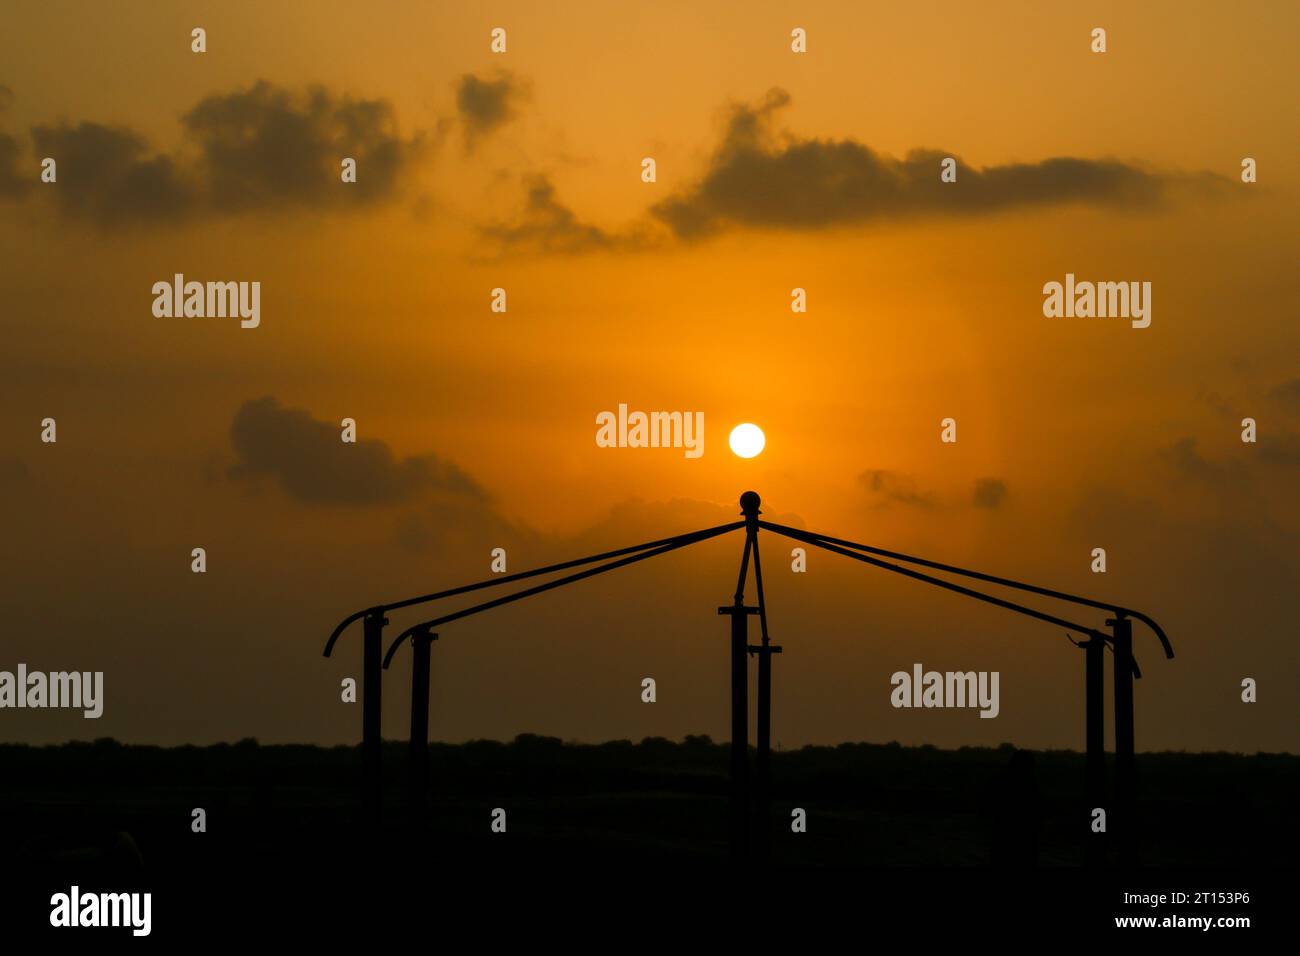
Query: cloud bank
[758, 178]
[314, 466]
[263, 149]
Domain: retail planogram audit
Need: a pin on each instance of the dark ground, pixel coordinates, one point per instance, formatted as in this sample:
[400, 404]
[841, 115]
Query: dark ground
[895, 833]
[867, 805]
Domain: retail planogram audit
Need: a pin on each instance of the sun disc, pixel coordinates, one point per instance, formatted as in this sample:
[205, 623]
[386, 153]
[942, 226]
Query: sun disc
[747, 440]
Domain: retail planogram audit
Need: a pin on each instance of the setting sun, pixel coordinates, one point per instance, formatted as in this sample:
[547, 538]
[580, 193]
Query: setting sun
[747, 440]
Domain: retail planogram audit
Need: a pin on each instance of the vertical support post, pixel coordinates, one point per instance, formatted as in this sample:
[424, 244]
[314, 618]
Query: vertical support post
[763, 756]
[739, 730]
[762, 761]
[419, 746]
[371, 699]
[740, 806]
[1094, 727]
[1125, 819]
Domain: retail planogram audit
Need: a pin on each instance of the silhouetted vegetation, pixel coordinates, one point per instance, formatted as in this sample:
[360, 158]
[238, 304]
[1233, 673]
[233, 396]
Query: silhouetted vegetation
[115, 806]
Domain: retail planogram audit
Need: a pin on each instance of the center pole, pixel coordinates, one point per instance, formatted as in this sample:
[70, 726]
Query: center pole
[740, 613]
[764, 649]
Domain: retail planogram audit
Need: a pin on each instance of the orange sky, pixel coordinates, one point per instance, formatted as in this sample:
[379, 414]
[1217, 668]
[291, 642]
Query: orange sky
[375, 307]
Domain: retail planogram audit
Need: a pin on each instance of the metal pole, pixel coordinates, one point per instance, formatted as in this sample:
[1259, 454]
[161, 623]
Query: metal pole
[1125, 792]
[419, 753]
[764, 735]
[740, 689]
[739, 727]
[371, 698]
[763, 757]
[1095, 723]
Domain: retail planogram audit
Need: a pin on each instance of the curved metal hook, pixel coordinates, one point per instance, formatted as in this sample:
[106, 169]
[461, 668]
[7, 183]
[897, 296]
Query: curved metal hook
[411, 631]
[1155, 628]
[392, 648]
[329, 645]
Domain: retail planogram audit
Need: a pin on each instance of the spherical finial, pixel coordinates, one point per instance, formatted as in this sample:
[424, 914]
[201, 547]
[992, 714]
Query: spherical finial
[749, 503]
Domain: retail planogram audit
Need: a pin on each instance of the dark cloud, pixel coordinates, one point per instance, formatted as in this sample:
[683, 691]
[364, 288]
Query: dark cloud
[486, 105]
[1281, 449]
[259, 149]
[267, 146]
[757, 178]
[313, 464]
[889, 487]
[1186, 460]
[1287, 394]
[12, 181]
[546, 225]
[1217, 402]
[450, 523]
[989, 492]
[1277, 446]
[107, 174]
[1229, 475]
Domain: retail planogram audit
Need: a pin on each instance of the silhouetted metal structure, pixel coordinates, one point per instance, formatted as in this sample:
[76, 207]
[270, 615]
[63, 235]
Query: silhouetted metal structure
[743, 798]
[371, 714]
[1124, 822]
[373, 660]
[741, 791]
[1095, 732]
[421, 644]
